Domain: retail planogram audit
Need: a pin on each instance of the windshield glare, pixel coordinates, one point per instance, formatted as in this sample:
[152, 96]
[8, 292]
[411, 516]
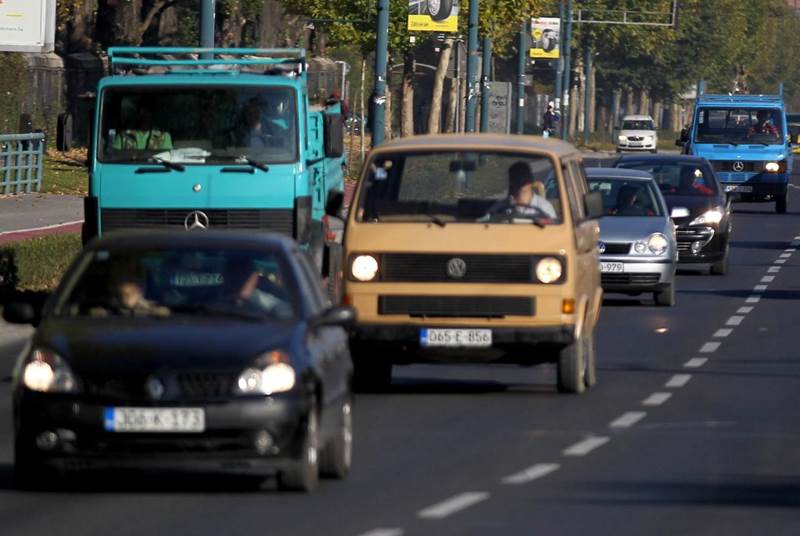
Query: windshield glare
[631, 198]
[678, 179]
[637, 125]
[740, 125]
[465, 187]
[162, 283]
[191, 125]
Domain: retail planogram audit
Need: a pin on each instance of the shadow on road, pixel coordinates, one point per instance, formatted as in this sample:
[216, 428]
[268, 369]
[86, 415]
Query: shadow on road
[743, 293]
[760, 244]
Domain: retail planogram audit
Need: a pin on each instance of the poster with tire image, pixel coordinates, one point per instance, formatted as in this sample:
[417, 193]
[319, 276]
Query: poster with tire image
[433, 15]
[545, 38]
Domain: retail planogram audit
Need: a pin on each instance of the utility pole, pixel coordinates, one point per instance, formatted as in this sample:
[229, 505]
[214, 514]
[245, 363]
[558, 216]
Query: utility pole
[565, 83]
[587, 100]
[472, 66]
[521, 62]
[486, 90]
[207, 26]
[378, 105]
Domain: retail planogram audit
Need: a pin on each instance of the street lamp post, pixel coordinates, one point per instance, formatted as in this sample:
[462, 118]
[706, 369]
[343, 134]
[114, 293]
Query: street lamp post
[207, 25]
[472, 66]
[378, 105]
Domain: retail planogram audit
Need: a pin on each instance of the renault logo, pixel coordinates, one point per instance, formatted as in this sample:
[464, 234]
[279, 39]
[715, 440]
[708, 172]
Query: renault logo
[738, 165]
[196, 220]
[154, 388]
[456, 268]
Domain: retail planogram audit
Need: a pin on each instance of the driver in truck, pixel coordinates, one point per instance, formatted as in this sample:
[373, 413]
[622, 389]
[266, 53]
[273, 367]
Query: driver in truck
[145, 136]
[763, 126]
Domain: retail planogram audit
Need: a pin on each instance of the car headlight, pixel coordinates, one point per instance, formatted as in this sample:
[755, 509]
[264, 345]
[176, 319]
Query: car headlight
[656, 244]
[548, 270]
[649, 138]
[713, 216]
[775, 167]
[271, 374]
[46, 372]
[364, 267]
[623, 138]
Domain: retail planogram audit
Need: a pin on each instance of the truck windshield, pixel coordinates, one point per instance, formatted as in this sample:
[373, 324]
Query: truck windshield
[740, 125]
[194, 125]
[463, 187]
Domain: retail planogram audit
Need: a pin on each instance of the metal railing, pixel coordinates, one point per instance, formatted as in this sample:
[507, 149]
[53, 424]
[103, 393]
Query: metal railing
[21, 163]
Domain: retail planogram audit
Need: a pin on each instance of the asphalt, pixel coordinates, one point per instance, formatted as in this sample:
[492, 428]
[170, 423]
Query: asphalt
[715, 449]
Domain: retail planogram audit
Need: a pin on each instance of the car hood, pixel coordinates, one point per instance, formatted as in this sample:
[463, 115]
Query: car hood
[697, 204]
[637, 132]
[630, 229]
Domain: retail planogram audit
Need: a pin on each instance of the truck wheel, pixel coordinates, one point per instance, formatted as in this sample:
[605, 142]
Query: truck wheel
[440, 10]
[666, 297]
[303, 473]
[336, 458]
[780, 204]
[571, 368]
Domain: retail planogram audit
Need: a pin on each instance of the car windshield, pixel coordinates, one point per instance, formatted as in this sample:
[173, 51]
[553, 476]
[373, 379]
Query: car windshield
[637, 125]
[678, 179]
[192, 125]
[464, 187]
[165, 282]
[740, 125]
[631, 198]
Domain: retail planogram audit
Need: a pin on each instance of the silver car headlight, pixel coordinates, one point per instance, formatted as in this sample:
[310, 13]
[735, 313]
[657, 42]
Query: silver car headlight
[47, 372]
[549, 270]
[656, 244]
[364, 268]
[711, 217]
[270, 374]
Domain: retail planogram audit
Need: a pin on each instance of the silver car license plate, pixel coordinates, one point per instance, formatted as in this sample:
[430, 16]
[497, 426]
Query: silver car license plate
[612, 267]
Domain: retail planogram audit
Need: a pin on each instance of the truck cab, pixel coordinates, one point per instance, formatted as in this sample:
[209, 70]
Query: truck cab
[199, 139]
[746, 139]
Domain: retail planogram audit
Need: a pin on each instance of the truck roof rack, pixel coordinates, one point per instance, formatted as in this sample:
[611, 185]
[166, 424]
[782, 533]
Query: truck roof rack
[183, 60]
[740, 97]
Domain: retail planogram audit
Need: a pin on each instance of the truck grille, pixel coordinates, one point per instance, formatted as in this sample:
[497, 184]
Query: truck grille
[277, 220]
[629, 279]
[727, 165]
[456, 306]
[433, 268]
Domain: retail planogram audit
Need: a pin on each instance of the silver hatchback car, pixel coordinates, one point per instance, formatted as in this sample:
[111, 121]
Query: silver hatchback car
[638, 251]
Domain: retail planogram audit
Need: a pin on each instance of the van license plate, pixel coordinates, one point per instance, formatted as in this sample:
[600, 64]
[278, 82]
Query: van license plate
[612, 267]
[476, 338]
[154, 420]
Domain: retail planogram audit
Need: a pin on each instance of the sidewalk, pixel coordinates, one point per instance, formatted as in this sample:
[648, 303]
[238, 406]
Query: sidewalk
[30, 215]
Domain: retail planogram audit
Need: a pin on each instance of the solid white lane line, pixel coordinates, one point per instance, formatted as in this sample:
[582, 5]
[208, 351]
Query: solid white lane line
[454, 504]
[744, 310]
[709, 347]
[656, 399]
[753, 299]
[724, 332]
[784, 255]
[760, 288]
[678, 380]
[695, 362]
[532, 473]
[779, 261]
[628, 419]
[734, 321]
[773, 269]
[768, 279]
[582, 448]
[383, 532]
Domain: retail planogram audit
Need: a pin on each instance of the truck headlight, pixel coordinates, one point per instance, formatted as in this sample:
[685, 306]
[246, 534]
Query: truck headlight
[548, 270]
[46, 372]
[711, 217]
[775, 167]
[364, 267]
[271, 374]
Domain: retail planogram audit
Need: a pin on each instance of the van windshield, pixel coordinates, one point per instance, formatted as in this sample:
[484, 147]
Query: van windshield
[736, 126]
[194, 125]
[464, 187]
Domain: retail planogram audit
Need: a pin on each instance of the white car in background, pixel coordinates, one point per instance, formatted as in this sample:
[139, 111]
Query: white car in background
[637, 133]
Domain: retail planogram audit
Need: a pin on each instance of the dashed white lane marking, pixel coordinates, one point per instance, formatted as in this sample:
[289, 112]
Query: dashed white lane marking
[724, 332]
[753, 299]
[454, 504]
[760, 288]
[383, 532]
[532, 473]
[709, 347]
[656, 399]
[734, 320]
[695, 362]
[678, 380]
[784, 255]
[789, 250]
[773, 269]
[779, 261]
[582, 448]
[628, 419]
[768, 279]
[744, 310]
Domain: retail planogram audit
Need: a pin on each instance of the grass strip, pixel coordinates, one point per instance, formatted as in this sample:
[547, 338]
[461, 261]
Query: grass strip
[36, 264]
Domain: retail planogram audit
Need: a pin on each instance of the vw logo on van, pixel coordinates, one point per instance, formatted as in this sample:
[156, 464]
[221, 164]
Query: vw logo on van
[738, 166]
[196, 219]
[456, 268]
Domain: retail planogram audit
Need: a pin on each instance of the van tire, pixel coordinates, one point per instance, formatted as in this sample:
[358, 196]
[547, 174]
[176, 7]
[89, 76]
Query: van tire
[571, 368]
[666, 297]
[590, 355]
[780, 204]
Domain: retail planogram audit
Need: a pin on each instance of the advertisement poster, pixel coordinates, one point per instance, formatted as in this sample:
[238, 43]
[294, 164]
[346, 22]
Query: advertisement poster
[545, 38]
[25, 25]
[433, 15]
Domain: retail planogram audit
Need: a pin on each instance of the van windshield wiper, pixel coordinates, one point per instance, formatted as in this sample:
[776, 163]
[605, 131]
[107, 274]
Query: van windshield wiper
[436, 219]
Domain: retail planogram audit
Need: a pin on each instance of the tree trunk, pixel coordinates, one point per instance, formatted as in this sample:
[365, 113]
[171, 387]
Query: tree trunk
[574, 105]
[232, 25]
[388, 116]
[629, 102]
[407, 106]
[593, 102]
[361, 106]
[657, 113]
[644, 102]
[617, 102]
[452, 106]
[462, 97]
[435, 117]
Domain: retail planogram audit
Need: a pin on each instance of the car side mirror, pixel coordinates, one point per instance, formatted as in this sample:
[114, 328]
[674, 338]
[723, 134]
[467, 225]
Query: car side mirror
[679, 212]
[335, 203]
[20, 313]
[342, 316]
[593, 202]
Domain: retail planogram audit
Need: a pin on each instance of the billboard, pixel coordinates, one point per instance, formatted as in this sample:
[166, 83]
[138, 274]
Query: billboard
[27, 25]
[545, 38]
[433, 15]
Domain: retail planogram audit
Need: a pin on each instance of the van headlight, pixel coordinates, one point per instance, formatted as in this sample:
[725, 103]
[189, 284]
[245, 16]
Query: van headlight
[364, 268]
[47, 372]
[711, 217]
[548, 270]
[270, 374]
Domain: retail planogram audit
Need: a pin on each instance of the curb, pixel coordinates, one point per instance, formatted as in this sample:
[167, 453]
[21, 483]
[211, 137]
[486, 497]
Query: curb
[35, 232]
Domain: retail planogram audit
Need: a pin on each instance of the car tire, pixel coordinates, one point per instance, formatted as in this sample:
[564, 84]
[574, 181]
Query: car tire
[721, 267]
[443, 12]
[371, 374]
[571, 368]
[337, 455]
[654, 151]
[590, 356]
[303, 473]
[780, 204]
[665, 297]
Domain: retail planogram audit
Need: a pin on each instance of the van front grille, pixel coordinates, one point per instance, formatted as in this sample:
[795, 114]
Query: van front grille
[456, 306]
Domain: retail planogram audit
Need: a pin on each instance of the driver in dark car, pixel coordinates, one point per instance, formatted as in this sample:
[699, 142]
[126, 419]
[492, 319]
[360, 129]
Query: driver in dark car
[246, 287]
[692, 182]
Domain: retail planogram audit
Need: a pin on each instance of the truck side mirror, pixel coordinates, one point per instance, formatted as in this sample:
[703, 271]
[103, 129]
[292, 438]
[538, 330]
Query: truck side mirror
[334, 135]
[64, 132]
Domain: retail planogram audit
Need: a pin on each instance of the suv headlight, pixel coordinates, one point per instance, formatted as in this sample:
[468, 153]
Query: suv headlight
[46, 372]
[711, 217]
[548, 270]
[656, 244]
[364, 268]
[271, 373]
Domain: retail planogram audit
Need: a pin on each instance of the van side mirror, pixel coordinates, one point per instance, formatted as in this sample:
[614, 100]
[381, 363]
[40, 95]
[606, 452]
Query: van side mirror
[334, 135]
[593, 202]
[679, 212]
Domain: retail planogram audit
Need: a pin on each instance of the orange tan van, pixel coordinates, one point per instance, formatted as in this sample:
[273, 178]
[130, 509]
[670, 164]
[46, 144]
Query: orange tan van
[473, 248]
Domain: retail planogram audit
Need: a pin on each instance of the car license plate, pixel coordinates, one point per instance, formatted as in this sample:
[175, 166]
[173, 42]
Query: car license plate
[612, 267]
[154, 420]
[634, 144]
[476, 338]
[738, 188]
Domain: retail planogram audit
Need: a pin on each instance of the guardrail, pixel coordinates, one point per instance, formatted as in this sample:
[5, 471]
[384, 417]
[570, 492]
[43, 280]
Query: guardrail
[21, 162]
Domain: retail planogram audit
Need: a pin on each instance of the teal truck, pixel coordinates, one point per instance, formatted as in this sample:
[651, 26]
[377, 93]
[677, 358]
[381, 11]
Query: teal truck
[193, 139]
[747, 141]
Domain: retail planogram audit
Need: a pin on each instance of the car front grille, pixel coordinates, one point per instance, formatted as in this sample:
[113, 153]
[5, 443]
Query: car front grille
[277, 220]
[684, 247]
[620, 248]
[635, 138]
[629, 279]
[456, 306]
[423, 267]
[200, 385]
